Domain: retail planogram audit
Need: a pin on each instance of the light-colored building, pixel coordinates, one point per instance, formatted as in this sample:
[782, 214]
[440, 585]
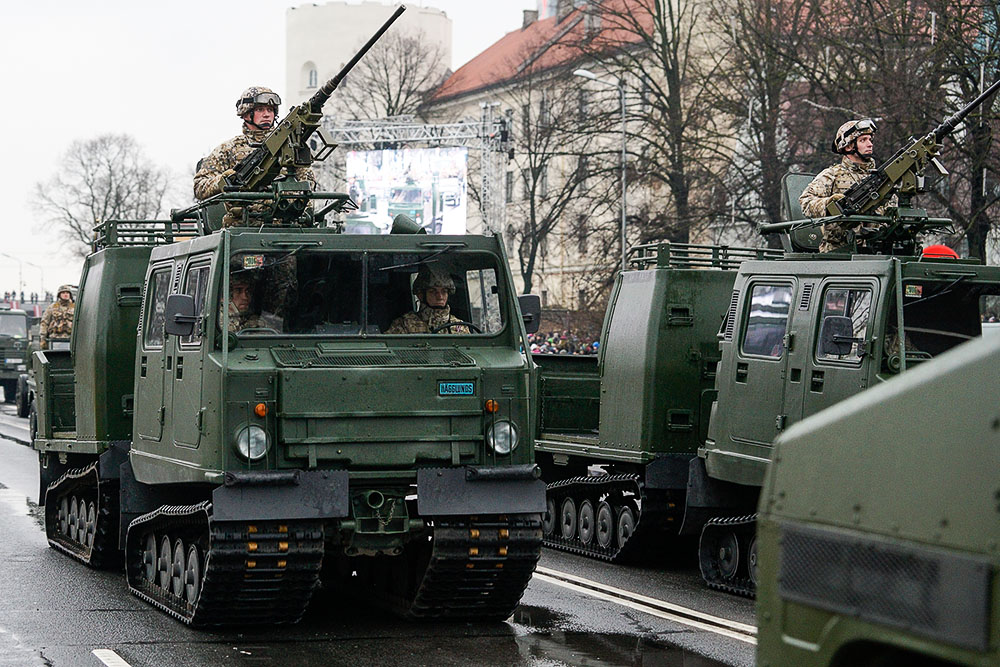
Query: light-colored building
[321, 38]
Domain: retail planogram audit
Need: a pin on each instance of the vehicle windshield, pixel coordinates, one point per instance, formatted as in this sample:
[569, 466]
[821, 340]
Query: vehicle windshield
[324, 293]
[406, 195]
[13, 325]
[938, 315]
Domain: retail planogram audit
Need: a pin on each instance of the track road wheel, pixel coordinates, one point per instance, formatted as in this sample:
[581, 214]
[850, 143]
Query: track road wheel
[64, 515]
[752, 560]
[74, 518]
[549, 520]
[729, 556]
[605, 525]
[149, 558]
[626, 524]
[567, 519]
[585, 521]
[88, 531]
[177, 568]
[192, 574]
[163, 563]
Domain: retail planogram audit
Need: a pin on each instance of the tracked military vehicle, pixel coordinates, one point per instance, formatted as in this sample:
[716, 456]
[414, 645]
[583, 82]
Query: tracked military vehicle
[797, 334]
[14, 343]
[233, 422]
[878, 525]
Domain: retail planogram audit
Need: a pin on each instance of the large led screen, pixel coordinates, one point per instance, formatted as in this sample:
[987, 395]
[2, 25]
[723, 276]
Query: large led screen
[427, 184]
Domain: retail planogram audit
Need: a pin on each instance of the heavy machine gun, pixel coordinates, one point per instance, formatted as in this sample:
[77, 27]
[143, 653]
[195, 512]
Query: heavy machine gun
[287, 145]
[903, 173]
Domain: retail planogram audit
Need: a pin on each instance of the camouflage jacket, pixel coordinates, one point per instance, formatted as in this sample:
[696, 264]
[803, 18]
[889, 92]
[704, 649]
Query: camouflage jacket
[424, 320]
[221, 162]
[57, 322]
[831, 181]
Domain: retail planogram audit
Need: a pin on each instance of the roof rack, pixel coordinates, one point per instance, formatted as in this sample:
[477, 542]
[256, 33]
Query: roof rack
[695, 256]
[120, 233]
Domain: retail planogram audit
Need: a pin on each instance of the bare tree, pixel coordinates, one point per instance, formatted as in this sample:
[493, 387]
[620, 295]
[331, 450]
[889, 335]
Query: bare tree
[552, 189]
[655, 47]
[394, 78]
[105, 178]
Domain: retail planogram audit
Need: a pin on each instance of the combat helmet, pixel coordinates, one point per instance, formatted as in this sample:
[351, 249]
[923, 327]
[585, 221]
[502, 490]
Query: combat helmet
[65, 288]
[254, 96]
[432, 276]
[850, 131]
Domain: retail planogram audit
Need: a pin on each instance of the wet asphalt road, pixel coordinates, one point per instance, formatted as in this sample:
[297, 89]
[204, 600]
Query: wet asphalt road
[56, 612]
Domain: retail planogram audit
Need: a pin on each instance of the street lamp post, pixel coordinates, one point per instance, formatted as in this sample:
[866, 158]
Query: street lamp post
[587, 74]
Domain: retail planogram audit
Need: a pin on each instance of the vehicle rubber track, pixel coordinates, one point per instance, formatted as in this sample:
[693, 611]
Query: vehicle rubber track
[223, 573]
[727, 554]
[81, 517]
[477, 569]
[621, 492]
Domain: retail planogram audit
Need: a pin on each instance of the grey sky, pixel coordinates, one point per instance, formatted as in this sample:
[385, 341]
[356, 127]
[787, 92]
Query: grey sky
[166, 73]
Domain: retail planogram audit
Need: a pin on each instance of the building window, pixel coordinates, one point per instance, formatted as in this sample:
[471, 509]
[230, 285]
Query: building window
[313, 79]
[581, 235]
[526, 181]
[581, 299]
[582, 168]
[510, 239]
[545, 298]
[582, 101]
[543, 246]
[543, 110]
[543, 182]
[509, 187]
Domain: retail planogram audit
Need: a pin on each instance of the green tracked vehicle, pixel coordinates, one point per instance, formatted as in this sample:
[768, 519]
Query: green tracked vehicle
[878, 531]
[694, 383]
[639, 409]
[14, 350]
[232, 422]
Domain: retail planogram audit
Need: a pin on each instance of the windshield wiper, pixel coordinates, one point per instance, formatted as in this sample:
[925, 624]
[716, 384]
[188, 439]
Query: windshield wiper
[430, 258]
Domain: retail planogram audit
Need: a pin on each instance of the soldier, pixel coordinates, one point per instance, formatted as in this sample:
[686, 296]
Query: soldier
[432, 287]
[258, 107]
[855, 141]
[240, 297]
[57, 321]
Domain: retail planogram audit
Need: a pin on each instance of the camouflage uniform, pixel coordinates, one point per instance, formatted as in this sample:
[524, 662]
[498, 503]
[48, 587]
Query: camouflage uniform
[424, 320]
[57, 322]
[239, 321]
[819, 193]
[212, 171]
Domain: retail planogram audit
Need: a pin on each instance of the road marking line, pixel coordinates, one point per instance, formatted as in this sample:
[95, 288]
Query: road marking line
[659, 608]
[110, 658]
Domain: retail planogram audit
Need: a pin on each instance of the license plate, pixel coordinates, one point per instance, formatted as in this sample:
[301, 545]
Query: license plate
[456, 388]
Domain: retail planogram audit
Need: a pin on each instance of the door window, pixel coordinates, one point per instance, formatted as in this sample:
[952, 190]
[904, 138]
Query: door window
[767, 320]
[157, 290]
[852, 302]
[196, 286]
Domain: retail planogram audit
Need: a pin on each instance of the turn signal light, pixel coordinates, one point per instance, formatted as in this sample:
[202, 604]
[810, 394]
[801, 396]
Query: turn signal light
[491, 405]
[260, 410]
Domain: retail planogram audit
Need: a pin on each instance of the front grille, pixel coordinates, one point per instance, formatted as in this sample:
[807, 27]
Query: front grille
[933, 592]
[302, 358]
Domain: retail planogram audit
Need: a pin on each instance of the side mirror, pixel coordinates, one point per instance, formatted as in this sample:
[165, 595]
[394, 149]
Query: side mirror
[179, 317]
[531, 311]
[836, 337]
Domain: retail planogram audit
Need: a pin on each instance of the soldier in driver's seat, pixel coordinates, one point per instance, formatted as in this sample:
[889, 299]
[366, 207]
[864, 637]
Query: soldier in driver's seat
[432, 288]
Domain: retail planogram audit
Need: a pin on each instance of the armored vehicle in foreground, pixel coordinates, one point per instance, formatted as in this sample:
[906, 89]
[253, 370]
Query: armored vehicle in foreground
[13, 350]
[233, 422]
[878, 530]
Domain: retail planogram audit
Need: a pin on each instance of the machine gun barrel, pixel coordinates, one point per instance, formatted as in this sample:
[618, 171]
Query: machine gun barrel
[317, 101]
[949, 124]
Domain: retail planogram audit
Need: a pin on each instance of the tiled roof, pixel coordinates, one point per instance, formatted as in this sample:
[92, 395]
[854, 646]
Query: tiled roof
[542, 45]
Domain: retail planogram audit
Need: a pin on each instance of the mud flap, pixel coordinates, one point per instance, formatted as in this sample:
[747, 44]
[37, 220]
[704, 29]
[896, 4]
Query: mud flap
[289, 495]
[513, 489]
[709, 498]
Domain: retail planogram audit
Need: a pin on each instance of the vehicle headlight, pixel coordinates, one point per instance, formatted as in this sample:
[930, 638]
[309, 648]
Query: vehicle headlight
[251, 442]
[502, 437]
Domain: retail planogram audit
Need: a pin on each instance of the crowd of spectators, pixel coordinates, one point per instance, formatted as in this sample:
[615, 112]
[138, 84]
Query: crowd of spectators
[33, 297]
[564, 342]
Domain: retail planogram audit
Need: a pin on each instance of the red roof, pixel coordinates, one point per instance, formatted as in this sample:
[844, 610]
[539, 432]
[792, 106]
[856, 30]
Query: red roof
[542, 45]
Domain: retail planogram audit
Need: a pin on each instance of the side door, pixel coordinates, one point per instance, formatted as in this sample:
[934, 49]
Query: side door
[151, 353]
[188, 359]
[757, 379]
[831, 378]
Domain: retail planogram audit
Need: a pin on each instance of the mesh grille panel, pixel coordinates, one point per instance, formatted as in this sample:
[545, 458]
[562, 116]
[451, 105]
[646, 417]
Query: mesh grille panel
[731, 315]
[290, 357]
[932, 592]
